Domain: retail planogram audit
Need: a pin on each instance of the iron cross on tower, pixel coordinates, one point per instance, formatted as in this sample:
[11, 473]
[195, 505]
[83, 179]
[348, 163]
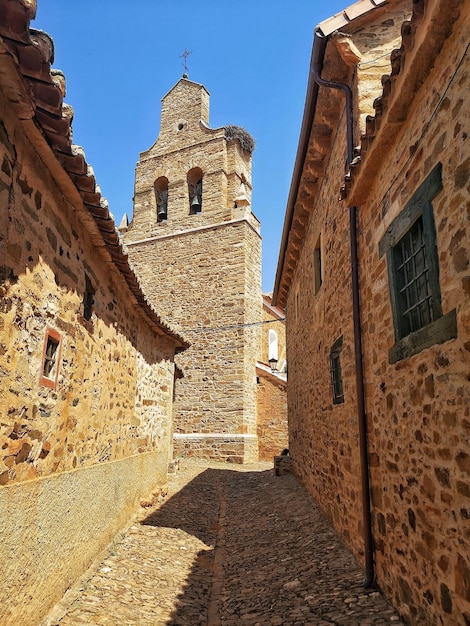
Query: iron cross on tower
[185, 56]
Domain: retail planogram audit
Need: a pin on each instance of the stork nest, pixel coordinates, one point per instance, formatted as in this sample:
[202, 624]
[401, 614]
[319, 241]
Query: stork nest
[237, 132]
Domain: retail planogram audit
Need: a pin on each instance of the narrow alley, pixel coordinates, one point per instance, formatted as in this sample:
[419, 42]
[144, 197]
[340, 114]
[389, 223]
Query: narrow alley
[229, 545]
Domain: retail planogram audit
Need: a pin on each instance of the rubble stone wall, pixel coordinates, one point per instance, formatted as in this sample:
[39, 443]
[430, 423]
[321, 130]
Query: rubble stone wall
[271, 390]
[419, 407]
[203, 273]
[110, 403]
[323, 436]
[272, 417]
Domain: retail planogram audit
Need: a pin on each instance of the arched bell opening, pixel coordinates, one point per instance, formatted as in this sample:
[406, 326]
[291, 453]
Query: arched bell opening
[194, 179]
[161, 197]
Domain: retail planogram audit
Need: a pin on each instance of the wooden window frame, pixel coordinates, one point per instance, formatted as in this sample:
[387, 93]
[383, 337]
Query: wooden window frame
[45, 380]
[441, 328]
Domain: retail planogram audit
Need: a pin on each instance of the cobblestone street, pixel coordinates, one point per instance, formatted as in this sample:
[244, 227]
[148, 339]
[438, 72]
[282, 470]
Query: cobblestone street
[229, 545]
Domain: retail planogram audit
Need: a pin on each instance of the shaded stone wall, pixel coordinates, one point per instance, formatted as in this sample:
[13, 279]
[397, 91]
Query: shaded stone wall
[323, 436]
[272, 416]
[272, 387]
[418, 407]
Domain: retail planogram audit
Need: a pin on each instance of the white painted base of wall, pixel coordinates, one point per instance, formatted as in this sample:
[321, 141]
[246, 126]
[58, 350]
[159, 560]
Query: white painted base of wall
[230, 447]
[52, 528]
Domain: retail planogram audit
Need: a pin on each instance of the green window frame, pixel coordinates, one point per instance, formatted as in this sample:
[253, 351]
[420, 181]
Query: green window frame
[413, 272]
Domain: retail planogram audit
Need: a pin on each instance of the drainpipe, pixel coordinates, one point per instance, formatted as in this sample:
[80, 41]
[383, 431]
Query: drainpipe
[319, 48]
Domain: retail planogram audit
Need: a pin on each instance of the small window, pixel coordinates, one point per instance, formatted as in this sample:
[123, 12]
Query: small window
[161, 198]
[88, 299]
[51, 359]
[297, 305]
[317, 267]
[413, 272]
[335, 371]
[195, 190]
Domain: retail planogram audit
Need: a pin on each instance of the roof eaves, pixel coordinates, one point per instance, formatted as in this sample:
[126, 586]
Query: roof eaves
[345, 17]
[393, 94]
[322, 32]
[32, 53]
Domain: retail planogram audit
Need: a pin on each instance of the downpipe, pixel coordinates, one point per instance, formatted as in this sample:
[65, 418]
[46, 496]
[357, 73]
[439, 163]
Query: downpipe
[318, 56]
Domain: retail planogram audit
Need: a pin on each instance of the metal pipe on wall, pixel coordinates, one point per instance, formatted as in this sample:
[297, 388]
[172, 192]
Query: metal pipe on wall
[318, 55]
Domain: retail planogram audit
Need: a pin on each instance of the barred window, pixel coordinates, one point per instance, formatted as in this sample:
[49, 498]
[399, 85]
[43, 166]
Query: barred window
[413, 272]
[416, 303]
[335, 371]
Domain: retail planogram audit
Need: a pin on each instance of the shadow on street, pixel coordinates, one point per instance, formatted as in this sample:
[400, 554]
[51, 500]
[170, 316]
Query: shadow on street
[272, 557]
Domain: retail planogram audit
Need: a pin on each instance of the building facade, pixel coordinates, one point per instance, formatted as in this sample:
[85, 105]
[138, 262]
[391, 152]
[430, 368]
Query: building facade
[271, 376]
[374, 273]
[196, 246]
[86, 364]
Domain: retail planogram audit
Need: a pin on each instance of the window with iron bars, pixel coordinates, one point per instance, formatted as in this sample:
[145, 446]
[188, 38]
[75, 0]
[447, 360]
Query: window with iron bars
[416, 303]
[335, 371]
[413, 271]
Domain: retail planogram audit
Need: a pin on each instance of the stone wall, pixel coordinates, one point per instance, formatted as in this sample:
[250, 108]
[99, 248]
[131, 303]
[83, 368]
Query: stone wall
[203, 272]
[272, 416]
[217, 392]
[272, 386]
[81, 443]
[110, 365]
[418, 407]
[323, 436]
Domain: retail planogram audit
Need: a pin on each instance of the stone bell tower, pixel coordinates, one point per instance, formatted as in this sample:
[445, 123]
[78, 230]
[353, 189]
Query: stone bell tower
[196, 247]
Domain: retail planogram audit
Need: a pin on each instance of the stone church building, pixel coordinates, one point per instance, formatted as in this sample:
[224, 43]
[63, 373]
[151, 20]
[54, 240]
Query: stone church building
[374, 272]
[195, 244]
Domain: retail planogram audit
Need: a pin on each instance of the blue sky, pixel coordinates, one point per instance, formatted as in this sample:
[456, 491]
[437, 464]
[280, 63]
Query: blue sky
[120, 58]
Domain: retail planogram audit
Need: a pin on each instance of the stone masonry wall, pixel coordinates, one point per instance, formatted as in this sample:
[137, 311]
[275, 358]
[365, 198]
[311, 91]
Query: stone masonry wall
[45, 256]
[271, 390]
[209, 303]
[203, 272]
[76, 456]
[323, 437]
[272, 417]
[419, 407]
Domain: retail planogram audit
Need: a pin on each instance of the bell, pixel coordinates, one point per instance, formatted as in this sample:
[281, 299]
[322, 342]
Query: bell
[162, 215]
[195, 206]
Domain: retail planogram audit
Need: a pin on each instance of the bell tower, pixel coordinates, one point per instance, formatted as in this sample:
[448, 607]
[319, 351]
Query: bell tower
[196, 247]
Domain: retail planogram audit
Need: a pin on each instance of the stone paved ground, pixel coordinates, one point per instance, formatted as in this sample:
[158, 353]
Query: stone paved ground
[230, 545]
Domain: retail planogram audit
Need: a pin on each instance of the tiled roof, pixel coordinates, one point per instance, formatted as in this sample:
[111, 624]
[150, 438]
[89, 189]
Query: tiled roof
[32, 52]
[389, 91]
[342, 19]
[296, 222]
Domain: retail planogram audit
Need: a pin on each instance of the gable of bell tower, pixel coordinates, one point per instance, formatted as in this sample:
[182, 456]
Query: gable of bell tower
[193, 175]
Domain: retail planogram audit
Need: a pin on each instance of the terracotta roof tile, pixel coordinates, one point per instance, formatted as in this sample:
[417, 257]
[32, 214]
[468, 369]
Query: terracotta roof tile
[381, 104]
[33, 53]
[339, 20]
